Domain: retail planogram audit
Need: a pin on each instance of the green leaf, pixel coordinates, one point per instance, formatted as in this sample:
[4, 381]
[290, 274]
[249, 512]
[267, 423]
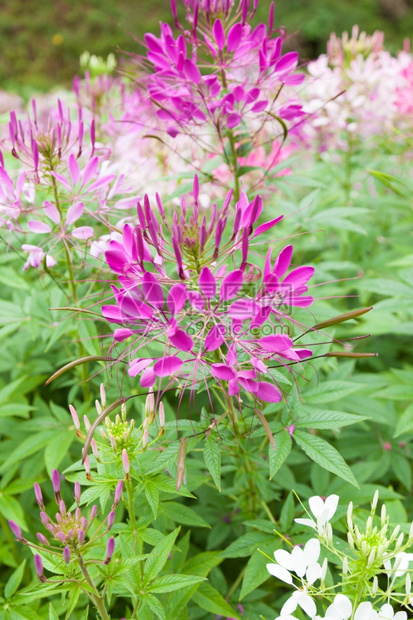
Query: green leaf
[211, 600]
[325, 419]
[152, 495]
[212, 458]
[325, 455]
[329, 391]
[169, 583]
[11, 509]
[287, 513]
[56, 450]
[159, 555]
[403, 470]
[405, 424]
[183, 514]
[155, 605]
[255, 572]
[14, 581]
[75, 592]
[52, 613]
[277, 455]
[246, 544]
[29, 446]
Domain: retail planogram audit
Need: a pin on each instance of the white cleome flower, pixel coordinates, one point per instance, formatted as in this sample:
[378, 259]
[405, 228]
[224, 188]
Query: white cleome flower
[299, 598]
[323, 511]
[302, 562]
[342, 609]
[387, 613]
[400, 565]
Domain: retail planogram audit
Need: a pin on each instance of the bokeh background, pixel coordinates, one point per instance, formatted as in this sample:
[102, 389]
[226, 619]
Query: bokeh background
[41, 41]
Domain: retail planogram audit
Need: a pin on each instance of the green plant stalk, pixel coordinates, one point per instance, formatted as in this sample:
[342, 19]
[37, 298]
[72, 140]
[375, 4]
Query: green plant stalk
[237, 189]
[131, 508]
[96, 598]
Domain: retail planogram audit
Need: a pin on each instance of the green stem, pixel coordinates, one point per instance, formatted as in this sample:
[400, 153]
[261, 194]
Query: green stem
[237, 189]
[131, 507]
[97, 599]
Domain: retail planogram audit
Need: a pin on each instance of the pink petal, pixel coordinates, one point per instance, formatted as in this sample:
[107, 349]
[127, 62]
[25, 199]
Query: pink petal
[176, 298]
[222, 371]
[39, 227]
[90, 170]
[267, 226]
[279, 342]
[196, 300]
[299, 276]
[74, 169]
[283, 261]
[62, 180]
[113, 314]
[191, 71]
[242, 309]
[74, 213]
[268, 392]
[136, 366]
[51, 211]
[148, 377]
[101, 182]
[152, 290]
[121, 334]
[233, 120]
[82, 232]
[167, 366]
[231, 284]
[181, 340]
[207, 283]
[287, 63]
[219, 34]
[234, 37]
[214, 338]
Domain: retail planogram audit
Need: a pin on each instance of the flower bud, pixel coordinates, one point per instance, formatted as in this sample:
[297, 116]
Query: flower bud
[371, 558]
[56, 484]
[95, 450]
[111, 519]
[123, 411]
[103, 395]
[75, 417]
[350, 540]
[80, 537]
[39, 496]
[118, 493]
[66, 555]
[324, 569]
[86, 465]
[83, 523]
[61, 536]
[375, 500]
[93, 512]
[408, 585]
[349, 516]
[38, 564]
[62, 508]
[345, 565]
[87, 423]
[16, 530]
[149, 404]
[383, 512]
[161, 412]
[113, 442]
[103, 434]
[42, 539]
[110, 548]
[98, 407]
[126, 464]
[145, 438]
[375, 586]
[77, 493]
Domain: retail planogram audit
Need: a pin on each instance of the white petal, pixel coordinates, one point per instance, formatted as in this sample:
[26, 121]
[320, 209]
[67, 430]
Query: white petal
[332, 613]
[316, 505]
[400, 615]
[299, 561]
[343, 605]
[307, 604]
[331, 504]
[308, 522]
[386, 612]
[281, 573]
[313, 573]
[290, 604]
[284, 558]
[365, 611]
[312, 551]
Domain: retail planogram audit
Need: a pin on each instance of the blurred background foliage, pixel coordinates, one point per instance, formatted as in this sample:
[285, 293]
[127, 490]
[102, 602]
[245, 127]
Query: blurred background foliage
[41, 42]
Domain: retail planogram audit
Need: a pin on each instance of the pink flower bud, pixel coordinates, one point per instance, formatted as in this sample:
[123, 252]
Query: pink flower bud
[111, 519]
[95, 449]
[81, 537]
[125, 463]
[110, 548]
[145, 438]
[161, 412]
[62, 508]
[39, 496]
[61, 536]
[16, 530]
[87, 423]
[66, 555]
[38, 564]
[77, 493]
[83, 523]
[74, 417]
[118, 493]
[42, 539]
[93, 512]
[56, 484]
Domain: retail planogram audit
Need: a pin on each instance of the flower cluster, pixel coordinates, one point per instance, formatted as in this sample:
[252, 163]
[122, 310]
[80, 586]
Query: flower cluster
[69, 528]
[371, 552]
[213, 321]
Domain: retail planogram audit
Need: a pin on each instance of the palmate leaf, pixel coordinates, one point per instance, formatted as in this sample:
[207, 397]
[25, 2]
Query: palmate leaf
[320, 451]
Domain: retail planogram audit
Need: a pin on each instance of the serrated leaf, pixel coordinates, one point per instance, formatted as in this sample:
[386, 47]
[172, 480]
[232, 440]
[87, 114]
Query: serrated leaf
[14, 581]
[326, 419]
[405, 423]
[183, 514]
[329, 391]
[169, 583]
[73, 599]
[152, 495]
[212, 458]
[277, 455]
[211, 600]
[155, 605]
[158, 556]
[325, 455]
